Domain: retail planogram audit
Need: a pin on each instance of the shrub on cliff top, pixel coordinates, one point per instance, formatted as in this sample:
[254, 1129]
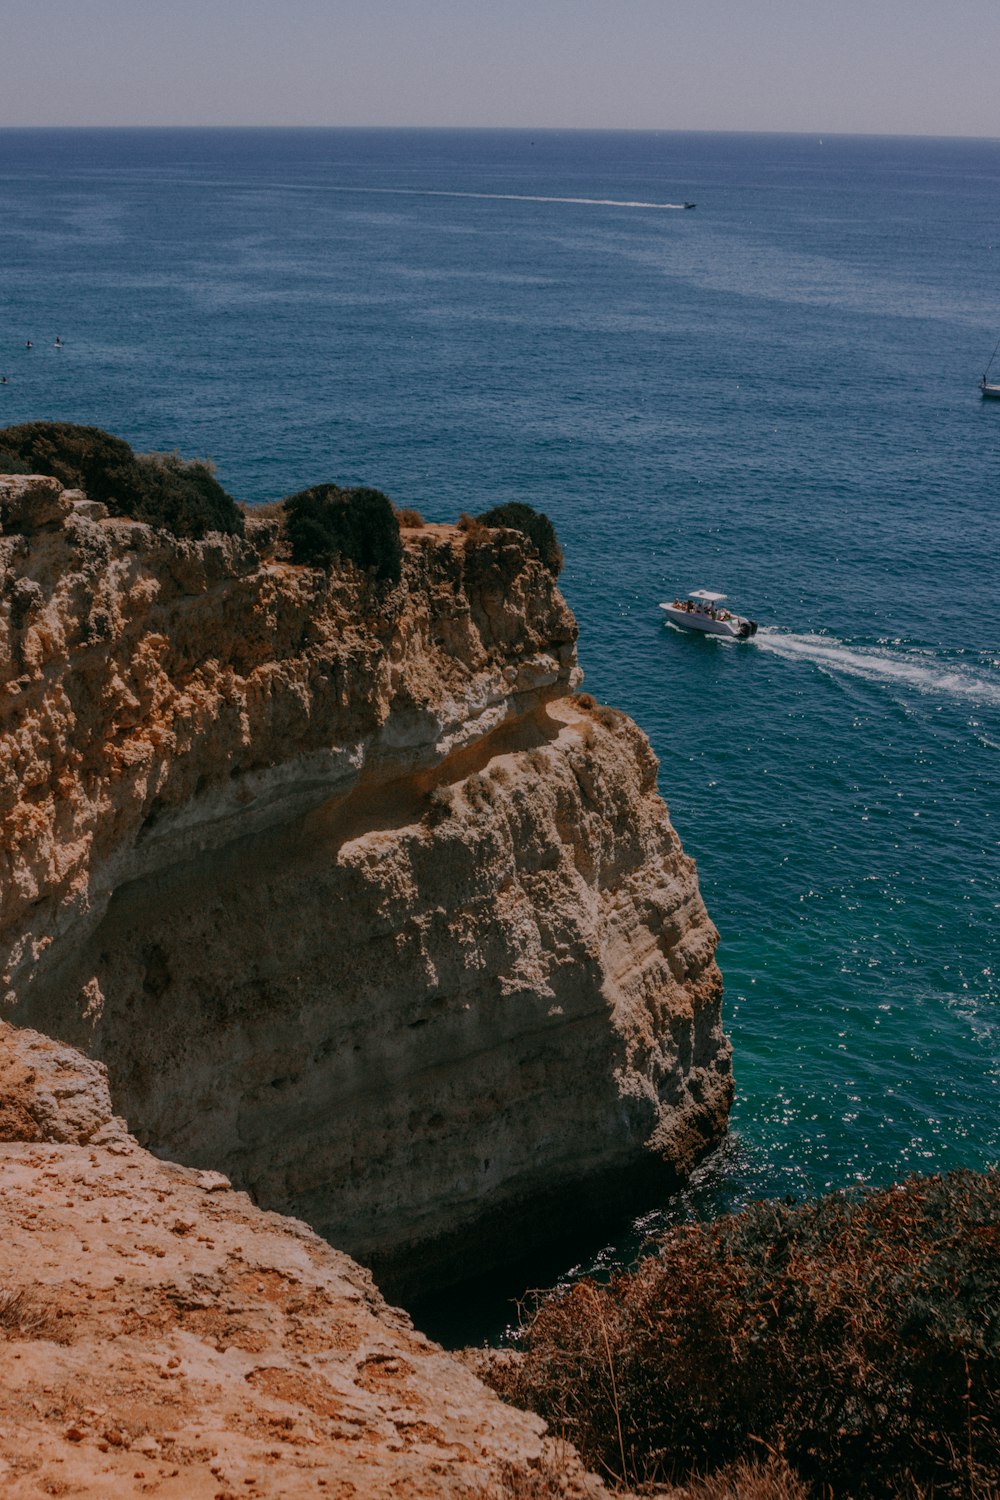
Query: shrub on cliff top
[324, 523]
[182, 497]
[407, 516]
[536, 527]
[858, 1336]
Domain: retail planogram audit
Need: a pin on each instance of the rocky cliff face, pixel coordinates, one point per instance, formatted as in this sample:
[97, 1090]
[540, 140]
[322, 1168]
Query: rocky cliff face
[356, 899]
[161, 1336]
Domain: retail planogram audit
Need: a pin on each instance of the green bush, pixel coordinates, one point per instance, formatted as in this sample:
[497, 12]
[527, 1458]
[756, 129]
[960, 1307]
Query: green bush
[184, 496]
[159, 488]
[324, 523]
[858, 1336]
[536, 526]
[10, 463]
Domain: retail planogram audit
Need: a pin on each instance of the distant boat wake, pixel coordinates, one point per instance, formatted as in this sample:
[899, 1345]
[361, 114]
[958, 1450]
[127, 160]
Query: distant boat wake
[882, 664]
[504, 197]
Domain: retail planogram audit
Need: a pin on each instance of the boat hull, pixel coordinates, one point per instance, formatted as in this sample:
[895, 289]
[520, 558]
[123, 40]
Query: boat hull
[990, 392]
[735, 628]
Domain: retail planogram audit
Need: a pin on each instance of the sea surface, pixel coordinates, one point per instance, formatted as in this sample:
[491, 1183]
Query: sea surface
[773, 395]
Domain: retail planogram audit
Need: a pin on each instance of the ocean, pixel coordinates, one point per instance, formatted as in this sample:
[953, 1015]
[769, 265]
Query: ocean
[773, 395]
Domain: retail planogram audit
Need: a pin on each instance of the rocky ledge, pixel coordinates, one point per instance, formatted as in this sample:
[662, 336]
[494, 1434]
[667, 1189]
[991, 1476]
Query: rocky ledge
[161, 1336]
[356, 898]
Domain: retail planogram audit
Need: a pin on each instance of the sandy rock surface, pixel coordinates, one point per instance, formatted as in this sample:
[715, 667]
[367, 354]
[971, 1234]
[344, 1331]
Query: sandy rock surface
[161, 1336]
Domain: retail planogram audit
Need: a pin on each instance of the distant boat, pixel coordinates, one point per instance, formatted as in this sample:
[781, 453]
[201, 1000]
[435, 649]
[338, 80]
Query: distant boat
[990, 389]
[690, 205]
[702, 610]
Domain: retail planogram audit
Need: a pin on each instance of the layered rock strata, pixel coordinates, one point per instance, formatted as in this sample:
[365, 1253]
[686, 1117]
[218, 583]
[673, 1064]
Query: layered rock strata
[161, 1336]
[357, 900]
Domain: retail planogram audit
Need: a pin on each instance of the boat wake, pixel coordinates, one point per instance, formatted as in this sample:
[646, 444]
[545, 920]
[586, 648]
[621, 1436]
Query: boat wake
[504, 197]
[906, 668]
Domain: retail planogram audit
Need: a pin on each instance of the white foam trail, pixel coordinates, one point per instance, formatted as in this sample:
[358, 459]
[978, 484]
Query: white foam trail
[876, 664]
[978, 1015]
[502, 197]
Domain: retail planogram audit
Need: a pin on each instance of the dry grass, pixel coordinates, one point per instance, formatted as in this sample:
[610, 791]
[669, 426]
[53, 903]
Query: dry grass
[857, 1336]
[18, 1319]
[439, 806]
[611, 718]
[556, 1475]
[518, 1483]
[270, 510]
[479, 791]
[747, 1479]
[406, 516]
[474, 530]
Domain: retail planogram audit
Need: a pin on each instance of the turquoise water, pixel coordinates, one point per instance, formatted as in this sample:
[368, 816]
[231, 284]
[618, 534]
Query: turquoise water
[774, 395]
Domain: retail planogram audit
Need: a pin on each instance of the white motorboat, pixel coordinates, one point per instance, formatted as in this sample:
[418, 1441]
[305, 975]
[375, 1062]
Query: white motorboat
[702, 610]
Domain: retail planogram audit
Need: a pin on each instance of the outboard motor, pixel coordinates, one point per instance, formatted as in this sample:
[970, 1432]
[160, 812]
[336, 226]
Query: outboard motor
[747, 629]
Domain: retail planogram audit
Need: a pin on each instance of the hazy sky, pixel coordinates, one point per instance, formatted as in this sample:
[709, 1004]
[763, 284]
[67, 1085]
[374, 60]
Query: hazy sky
[903, 66]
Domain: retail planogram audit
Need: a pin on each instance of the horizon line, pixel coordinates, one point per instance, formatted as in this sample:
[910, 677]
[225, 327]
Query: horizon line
[818, 134]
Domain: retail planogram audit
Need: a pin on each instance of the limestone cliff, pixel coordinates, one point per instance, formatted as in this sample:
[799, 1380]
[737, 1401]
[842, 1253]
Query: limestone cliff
[356, 899]
[161, 1336]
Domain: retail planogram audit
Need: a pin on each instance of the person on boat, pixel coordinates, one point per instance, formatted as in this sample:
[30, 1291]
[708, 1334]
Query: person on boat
[28, 344]
[58, 342]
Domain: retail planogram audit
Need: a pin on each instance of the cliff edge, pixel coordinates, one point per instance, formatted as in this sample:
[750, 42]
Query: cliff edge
[358, 901]
[159, 1335]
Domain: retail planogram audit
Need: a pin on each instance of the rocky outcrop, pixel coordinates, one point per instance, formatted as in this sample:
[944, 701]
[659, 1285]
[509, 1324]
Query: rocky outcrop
[359, 902]
[161, 1336]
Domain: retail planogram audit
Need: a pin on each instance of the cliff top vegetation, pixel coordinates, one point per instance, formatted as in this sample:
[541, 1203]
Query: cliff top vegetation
[325, 522]
[535, 525]
[181, 496]
[857, 1336]
[318, 525]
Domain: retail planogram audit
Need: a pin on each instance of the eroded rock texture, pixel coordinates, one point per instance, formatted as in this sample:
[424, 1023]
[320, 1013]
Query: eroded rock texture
[161, 1336]
[358, 902]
